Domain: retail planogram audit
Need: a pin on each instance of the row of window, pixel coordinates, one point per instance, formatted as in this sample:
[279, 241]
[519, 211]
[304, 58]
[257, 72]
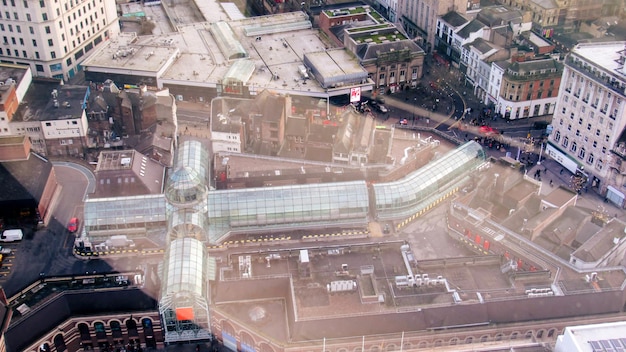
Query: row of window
[42, 3]
[592, 93]
[580, 152]
[37, 55]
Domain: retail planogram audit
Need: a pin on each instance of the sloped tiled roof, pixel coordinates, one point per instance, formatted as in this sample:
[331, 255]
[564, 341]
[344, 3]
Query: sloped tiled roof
[474, 26]
[454, 19]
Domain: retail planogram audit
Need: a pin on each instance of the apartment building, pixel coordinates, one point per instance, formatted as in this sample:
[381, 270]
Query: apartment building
[589, 118]
[476, 59]
[53, 37]
[527, 88]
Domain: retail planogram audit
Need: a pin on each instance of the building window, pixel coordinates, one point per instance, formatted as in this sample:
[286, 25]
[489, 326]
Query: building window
[607, 138]
[573, 147]
[599, 164]
[39, 68]
[597, 132]
[557, 136]
[53, 55]
[50, 42]
[590, 159]
[588, 127]
[37, 55]
[581, 153]
[565, 142]
[595, 144]
[44, 16]
[31, 30]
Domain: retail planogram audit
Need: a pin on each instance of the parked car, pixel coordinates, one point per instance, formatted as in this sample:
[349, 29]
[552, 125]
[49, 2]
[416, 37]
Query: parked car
[11, 235]
[72, 226]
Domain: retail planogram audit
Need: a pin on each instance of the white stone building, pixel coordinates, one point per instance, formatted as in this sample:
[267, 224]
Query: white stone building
[53, 37]
[589, 118]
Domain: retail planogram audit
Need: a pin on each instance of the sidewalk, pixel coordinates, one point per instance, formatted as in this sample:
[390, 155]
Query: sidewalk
[590, 199]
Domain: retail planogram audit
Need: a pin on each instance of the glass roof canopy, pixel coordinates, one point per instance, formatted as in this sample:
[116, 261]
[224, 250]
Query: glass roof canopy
[290, 206]
[401, 198]
[285, 207]
[184, 268]
[227, 41]
[124, 212]
[187, 184]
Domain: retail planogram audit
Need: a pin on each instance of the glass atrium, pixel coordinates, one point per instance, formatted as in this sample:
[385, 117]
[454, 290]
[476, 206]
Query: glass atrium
[401, 198]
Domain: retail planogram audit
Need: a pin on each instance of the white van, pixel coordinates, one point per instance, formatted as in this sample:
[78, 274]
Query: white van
[11, 235]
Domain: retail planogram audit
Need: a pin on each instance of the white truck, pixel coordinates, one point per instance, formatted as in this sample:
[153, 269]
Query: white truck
[11, 235]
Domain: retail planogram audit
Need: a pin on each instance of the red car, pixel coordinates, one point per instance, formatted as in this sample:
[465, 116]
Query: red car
[72, 226]
[486, 130]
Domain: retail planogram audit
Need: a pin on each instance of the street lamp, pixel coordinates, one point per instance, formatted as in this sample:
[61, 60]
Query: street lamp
[414, 107]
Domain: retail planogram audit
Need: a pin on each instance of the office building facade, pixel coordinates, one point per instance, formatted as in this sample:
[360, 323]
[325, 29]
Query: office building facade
[53, 37]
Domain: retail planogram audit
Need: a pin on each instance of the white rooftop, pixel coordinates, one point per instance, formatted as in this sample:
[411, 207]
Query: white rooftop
[605, 55]
[276, 44]
[587, 338]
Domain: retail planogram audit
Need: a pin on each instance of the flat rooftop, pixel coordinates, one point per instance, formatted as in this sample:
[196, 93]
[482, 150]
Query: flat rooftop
[605, 55]
[47, 100]
[276, 45]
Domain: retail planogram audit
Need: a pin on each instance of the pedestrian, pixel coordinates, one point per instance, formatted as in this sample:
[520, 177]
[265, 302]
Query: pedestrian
[561, 172]
[551, 183]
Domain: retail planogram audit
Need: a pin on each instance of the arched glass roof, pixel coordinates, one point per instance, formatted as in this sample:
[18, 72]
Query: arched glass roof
[239, 72]
[184, 265]
[401, 197]
[185, 186]
[193, 154]
[109, 213]
[188, 223]
[227, 41]
[292, 205]
[188, 182]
